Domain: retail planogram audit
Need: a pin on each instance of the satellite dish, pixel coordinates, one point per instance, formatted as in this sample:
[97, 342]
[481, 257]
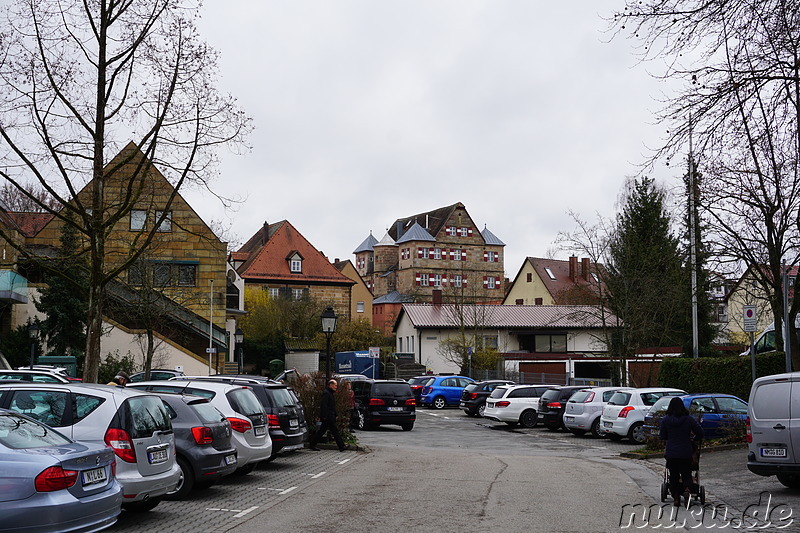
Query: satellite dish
[231, 276]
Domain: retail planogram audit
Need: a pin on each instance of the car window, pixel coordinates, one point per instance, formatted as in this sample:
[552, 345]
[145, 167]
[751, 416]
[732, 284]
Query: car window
[245, 402]
[147, 415]
[19, 433]
[462, 382]
[498, 392]
[650, 398]
[620, 398]
[550, 395]
[359, 387]
[45, 406]
[473, 386]
[392, 390]
[449, 382]
[660, 405]
[170, 411]
[207, 412]
[703, 405]
[203, 393]
[282, 398]
[608, 394]
[580, 396]
[83, 405]
[44, 378]
[524, 392]
[771, 400]
[732, 406]
[164, 388]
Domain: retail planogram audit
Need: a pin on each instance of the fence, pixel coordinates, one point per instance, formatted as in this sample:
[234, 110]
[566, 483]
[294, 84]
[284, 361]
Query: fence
[539, 378]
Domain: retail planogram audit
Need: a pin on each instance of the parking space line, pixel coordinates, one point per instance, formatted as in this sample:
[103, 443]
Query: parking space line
[315, 476]
[242, 513]
[343, 461]
[287, 491]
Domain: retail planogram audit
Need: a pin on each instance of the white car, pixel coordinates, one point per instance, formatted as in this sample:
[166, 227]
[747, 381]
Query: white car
[623, 415]
[514, 404]
[239, 404]
[585, 408]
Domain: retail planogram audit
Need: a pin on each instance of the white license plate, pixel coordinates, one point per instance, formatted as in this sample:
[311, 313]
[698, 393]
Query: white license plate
[608, 424]
[569, 418]
[394, 408]
[157, 456]
[230, 459]
[95, 475]
[293, 423]
[259, 430]
[773, 452]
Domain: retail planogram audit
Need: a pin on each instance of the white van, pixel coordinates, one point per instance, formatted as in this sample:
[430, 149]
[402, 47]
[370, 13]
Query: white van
[773, 418]
[766, 341]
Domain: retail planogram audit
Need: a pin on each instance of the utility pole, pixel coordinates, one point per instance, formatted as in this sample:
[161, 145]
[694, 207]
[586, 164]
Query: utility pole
[693, 246]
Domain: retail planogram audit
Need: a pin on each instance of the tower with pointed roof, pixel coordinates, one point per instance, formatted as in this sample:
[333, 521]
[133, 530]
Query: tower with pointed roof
[439, 250]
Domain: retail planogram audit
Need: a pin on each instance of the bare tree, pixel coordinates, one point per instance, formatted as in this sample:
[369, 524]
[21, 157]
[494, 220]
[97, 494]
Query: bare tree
[78, 81]
[739, 62]
[14, 200]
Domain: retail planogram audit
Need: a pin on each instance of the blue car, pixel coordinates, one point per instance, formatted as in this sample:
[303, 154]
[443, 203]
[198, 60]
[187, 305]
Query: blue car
[442, 391]
[715, 412]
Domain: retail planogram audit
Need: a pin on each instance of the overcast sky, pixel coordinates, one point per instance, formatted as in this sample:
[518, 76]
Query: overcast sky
[366, 111]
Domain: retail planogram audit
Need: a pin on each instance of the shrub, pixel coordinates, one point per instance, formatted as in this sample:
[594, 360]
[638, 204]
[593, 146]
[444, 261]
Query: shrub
[309, 389]
[113, 363]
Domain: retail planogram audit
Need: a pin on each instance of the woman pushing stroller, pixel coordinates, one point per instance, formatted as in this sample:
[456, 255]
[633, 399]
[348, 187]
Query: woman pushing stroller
[683, 435]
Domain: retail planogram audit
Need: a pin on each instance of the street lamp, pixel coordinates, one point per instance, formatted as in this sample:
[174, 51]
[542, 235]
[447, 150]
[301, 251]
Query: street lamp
[33, 333]
[239, 338]
[328, 327]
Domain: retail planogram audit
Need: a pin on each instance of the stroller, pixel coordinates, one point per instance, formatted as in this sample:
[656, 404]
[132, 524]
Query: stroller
[697, 490]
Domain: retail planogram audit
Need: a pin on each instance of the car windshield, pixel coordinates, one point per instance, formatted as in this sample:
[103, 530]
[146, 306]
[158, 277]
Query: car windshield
[550, 394]
[207, 412]
[471, 387]
[393, 390]
[661, 404]
[620, 398]
[148, 415]
[244, 401]
[650, 398]
[20, 433]
[581, 396]
[418, 381]
[498, 392]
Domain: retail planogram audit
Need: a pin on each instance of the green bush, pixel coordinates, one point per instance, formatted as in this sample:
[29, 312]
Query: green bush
[309, 389]
[727, 375]
[113, 363]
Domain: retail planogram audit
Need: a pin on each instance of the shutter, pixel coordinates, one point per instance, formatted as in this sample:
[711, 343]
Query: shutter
[497, 282]
[464, 282]
[419, 253]
[486, 281]
[485, 256]
[444, 281]
[469, 231]
[463, 255]
[418, 280]
[450, 253]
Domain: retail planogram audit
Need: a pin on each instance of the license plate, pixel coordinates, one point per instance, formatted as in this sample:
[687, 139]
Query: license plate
[259, 430]
[230, 459]
[293, 423]
[569, 418]
[157, 456]
[394, 408]
[773, 452]
[95, 475]
[608, 424]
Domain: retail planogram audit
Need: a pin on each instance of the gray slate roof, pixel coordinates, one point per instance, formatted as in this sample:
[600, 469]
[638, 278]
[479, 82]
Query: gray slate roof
[386, 241]
[367, 245]
[393, 297]
[415, 233]
[506, 316]
[490, 238]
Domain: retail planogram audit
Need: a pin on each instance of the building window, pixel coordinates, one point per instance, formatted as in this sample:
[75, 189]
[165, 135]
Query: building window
[518, 301]
[458, 255]
[529, 277]
[411, 344]
[166, 224]
[451, 231]
[456, 280]
[537, 301]
[400, 344]
[464, 232]
[550, 273]
[550, 343]
[138, 219]
[425, 253]
[424, 280]
[297, 294]
[405, 253]
[490, 342]
[162, 274]
[359, 307]
[491, 257]
[437, 280]
[274, 293]
[490, 282]
[135, 274]
[437, 253]
[187, 275]
[296, 265]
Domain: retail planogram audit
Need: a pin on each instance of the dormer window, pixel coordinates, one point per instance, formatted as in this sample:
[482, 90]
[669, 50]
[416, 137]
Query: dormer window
[296, 265]
[295, 262]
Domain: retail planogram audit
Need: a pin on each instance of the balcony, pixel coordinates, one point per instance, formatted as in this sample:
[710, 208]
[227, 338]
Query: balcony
[13, 287]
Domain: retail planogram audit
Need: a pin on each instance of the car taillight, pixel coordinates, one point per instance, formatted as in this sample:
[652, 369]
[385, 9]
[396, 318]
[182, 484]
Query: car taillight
[473, 395]
[202, 435]
[416, 387]
[273, 421]
[411, 401]
[376, 401]
[749, 433]
[55, 478]
[502, 404]
[122, 444]
[589, 398]
[237, 424]
[554, 405]
[624, 412]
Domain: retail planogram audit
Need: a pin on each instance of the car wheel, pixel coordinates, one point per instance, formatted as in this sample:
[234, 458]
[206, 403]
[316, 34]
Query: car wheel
[469, 412]
[143, 506]
[637, 434]
[185, 483]
[246, 469]
[481, 410]
[577, 432]
[663, 492]
[528, 419]
[595, 429]
[791, 481]
[439, 402]
[614, 436]
[408, 426]
[702, 495]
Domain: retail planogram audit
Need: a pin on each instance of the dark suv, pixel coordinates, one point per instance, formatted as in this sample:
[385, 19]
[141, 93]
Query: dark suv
[552, 405]
[383, 401]
[287, 425]
[473, 397]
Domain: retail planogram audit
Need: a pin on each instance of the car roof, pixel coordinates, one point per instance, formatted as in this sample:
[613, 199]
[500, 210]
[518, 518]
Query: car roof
[199, 383]
[232, 379]
[109, 390]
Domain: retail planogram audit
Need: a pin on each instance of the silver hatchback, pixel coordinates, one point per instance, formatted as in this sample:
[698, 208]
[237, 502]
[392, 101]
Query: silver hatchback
[135, 424]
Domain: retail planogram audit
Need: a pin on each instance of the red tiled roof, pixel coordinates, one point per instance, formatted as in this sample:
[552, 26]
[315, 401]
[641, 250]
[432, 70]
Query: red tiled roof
[266, 261]
[562, 287]
[30, 223]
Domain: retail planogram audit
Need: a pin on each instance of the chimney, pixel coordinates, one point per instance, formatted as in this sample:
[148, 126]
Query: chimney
[585, 268]
[336, 260]
[573, 267]
[265, 234]
[437, 296]
[426, 222]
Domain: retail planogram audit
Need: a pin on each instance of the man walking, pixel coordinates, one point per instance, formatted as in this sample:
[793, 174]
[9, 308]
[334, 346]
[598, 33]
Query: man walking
[327, 415]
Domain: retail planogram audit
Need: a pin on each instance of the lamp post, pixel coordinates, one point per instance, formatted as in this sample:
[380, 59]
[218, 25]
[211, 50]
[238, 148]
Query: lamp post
[33, 333]
[328, 327]
[239, 338]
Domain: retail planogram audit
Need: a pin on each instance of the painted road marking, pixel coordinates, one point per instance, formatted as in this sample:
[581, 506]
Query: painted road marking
[287, 491]
[315, 476]
[239, 513]
[341, 462]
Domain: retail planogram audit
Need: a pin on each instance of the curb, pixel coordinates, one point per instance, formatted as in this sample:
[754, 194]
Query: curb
[660, 453]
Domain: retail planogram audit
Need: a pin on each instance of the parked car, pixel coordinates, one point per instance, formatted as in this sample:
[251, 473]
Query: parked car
[132, 422]
[515, 404]
[239, 404]
[61, 371]
[713, 411]
[156, 374]
[34, 376]
[773, 433]
[623, 415]
[474, 395]
[584, 409]
[287, 425]
[383, 401]
[442, 391]
[203, 442]
[52, 483]
[350, 377]
[552, 405]
[417, 384]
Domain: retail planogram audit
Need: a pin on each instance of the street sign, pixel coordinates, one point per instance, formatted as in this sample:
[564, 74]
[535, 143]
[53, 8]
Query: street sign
[374, 352]
[749, 316]
[211, 350]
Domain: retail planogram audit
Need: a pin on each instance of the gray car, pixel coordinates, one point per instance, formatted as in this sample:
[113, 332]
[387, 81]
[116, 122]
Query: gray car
[51, 483]
[135, 424]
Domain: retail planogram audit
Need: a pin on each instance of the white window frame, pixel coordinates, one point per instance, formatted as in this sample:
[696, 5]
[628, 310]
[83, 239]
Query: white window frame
[491, 282]
[424, 280]
[437, 253]
[296, 265]
[437, 280]
[274, 293]
[359, 307]
[456, 280]
[138, 219]
[297, 294]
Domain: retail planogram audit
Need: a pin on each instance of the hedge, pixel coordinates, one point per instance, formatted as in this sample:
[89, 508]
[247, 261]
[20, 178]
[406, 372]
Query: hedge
[727, 375]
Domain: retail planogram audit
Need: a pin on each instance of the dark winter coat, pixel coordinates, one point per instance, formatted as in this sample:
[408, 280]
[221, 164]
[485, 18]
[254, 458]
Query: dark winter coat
[327, 410]
[680, 432]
